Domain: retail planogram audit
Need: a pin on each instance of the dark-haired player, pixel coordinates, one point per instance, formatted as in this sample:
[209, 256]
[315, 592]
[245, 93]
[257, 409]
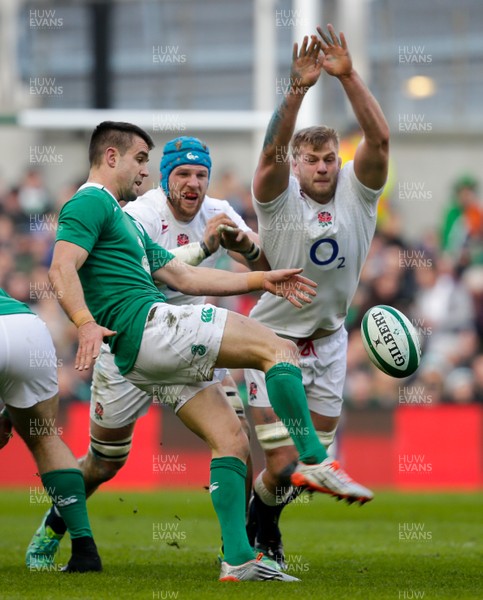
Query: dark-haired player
[179, 215]
[102, 270]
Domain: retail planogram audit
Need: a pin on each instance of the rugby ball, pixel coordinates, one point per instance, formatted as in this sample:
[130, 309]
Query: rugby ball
[391, 341]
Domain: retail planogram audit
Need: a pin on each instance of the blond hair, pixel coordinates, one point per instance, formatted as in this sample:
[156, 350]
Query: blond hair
[316, 137]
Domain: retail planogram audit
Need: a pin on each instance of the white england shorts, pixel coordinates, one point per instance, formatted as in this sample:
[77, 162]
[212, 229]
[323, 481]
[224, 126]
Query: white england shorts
[28, 361]
[323, 364]
[179, 346]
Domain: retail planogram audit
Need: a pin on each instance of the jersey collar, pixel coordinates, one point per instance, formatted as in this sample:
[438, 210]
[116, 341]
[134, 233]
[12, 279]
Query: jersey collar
[96, 185]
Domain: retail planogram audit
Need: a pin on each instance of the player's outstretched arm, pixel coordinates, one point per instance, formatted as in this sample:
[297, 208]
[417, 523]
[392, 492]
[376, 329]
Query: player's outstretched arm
[68, 258]
[200, 281]
[273, 170]
[371, 159]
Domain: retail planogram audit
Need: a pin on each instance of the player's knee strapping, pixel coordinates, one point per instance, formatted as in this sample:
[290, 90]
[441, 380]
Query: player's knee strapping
[235, 400]
[326, 437]
[276, 435]
[273, 435]
[112, 451]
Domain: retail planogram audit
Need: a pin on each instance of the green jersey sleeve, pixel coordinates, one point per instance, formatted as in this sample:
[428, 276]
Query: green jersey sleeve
[83, 218]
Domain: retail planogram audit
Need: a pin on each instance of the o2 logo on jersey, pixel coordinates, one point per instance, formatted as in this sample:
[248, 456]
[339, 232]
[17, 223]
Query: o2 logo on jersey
[325, 251]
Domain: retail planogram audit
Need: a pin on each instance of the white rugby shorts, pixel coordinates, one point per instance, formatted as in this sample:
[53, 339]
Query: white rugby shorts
[28, 361]
[116, 402]
[176, 360]
[323, 363]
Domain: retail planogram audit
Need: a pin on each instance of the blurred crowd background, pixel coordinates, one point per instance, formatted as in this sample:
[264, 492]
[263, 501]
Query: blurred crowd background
[437, 283]
[217, 72]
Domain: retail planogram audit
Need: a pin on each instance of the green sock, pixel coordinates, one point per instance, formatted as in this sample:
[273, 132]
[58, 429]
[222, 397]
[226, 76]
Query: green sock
[227, 488]
[67, 490]
[288, 399]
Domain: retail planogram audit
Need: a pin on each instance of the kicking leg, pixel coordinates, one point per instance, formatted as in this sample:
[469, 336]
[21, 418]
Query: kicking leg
[249, 344]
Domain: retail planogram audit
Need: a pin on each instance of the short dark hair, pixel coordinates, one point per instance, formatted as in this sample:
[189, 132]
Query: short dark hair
[116, 134]
[315, 137]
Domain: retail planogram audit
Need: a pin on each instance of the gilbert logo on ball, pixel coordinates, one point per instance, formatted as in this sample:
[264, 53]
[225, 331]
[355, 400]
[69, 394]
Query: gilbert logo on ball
[391, 341]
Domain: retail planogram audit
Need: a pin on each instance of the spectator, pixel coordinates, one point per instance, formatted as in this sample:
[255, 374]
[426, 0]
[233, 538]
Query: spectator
[464, 217]
[459, 386]
[439, 286]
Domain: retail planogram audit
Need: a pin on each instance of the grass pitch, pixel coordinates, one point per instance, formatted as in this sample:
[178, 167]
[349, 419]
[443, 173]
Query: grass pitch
[163, 545]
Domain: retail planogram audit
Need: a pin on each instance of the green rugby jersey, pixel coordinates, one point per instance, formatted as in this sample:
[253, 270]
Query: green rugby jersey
[10, 306]
[116, 277]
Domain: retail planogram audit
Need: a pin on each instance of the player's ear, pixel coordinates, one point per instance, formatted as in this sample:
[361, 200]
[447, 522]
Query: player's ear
[111, 155]
[339, 160]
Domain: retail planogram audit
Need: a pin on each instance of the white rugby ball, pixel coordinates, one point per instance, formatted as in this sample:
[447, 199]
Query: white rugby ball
[391, 341]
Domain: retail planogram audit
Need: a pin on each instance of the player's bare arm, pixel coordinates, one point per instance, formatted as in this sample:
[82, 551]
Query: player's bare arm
[255, 264]
[273, 170]
[200, 281]
[254, 258]
[371, 159]
[68, 258]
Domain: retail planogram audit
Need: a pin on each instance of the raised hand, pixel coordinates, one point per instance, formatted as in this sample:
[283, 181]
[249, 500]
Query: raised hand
[336, 58]
[289, 284]
[306, 67]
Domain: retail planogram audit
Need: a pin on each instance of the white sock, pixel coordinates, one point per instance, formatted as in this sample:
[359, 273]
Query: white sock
[266, 495]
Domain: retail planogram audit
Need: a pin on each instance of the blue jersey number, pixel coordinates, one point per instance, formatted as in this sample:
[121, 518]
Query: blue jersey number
[330, 253]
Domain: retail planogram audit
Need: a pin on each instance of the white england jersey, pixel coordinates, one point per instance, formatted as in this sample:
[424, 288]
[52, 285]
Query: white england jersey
[329, 241]
[152, 211]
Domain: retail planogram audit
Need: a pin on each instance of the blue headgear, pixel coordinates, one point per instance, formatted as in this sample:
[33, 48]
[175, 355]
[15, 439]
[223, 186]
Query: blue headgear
[183, 151]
